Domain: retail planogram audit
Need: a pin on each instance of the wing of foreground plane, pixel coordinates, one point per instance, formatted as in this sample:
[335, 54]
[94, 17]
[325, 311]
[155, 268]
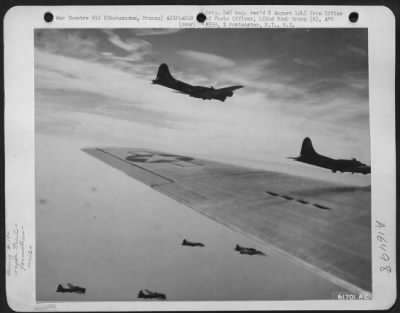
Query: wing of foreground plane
[323, 225]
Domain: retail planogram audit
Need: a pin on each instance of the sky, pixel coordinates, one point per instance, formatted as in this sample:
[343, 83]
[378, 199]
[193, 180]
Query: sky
[95, 84]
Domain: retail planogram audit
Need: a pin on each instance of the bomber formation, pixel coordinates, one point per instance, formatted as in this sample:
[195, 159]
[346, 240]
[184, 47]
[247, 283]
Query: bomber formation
[307, 155]
[146, 163]
[153, 295]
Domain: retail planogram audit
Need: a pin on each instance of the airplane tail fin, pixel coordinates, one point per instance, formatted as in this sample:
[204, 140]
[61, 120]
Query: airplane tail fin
[307, 148]
[163, 74]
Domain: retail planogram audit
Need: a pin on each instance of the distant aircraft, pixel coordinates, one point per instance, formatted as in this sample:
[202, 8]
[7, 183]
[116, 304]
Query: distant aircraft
[310, 156]
[192, 244]
[164, 78]
[147, 294]
[71, 288]
[249, 251]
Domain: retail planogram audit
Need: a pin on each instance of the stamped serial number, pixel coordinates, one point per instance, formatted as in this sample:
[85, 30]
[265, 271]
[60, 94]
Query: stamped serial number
[350, 296]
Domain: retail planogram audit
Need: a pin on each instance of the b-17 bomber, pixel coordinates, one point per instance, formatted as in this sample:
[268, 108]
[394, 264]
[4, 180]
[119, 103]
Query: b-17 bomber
[147, 294]
[308, 155]
[192, 244]
[71, 288]
[249, 251]
[164, 78]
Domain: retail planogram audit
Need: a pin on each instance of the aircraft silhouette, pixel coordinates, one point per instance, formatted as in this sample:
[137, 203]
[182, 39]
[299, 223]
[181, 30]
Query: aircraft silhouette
[164, 78]
[147, 294]
[71, 288]
[310, 156]
[249, 251]
[192, 244]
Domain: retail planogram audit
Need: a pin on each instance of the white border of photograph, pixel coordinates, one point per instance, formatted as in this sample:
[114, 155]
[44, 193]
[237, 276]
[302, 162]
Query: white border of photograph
[19, 25]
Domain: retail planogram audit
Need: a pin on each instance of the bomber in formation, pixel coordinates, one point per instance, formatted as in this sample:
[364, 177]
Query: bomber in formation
[310, 156]
[192, 244]
[164, 78]
[249, 251]
[147, 294]
[71, 289]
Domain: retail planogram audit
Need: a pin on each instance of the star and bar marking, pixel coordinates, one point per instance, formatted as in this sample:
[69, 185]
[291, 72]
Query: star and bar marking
[157, 158]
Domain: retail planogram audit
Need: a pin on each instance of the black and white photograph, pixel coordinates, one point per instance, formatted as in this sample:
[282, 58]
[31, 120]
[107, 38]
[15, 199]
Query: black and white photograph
[202, 164]
[168, 158]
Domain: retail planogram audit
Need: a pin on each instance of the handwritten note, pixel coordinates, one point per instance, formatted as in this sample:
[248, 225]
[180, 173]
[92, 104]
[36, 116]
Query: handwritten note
[18, 252]
[383, 246]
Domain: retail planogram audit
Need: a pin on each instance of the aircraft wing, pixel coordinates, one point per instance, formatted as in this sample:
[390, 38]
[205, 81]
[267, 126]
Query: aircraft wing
[231, 88]
[177, 91]
[324, 226]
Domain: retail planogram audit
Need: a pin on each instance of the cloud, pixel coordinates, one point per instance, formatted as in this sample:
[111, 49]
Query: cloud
[353, 50]
[98, 104]
[306, 63]
[207, 58]
[130, 44]
[253, 74]
[86, 45]
[66, 42]
[134, 49]
[57, 72]
[155, 31]
[133, 57]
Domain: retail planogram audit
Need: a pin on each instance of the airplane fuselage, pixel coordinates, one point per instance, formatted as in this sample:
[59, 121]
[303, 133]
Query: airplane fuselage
[192, 244]
[205, 93]
[249, 251]
[336, 165]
